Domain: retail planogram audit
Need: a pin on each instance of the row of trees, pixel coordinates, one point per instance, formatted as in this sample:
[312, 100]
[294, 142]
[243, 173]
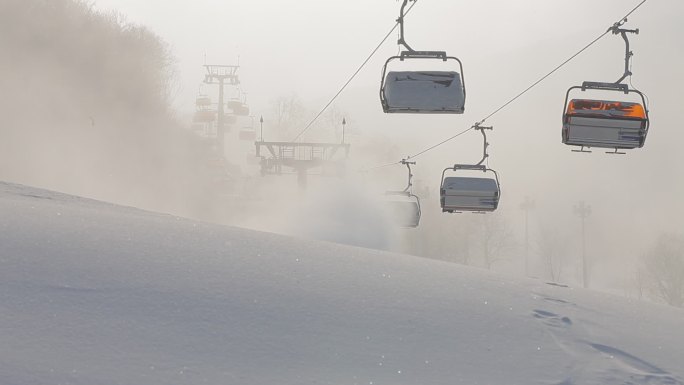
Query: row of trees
[660, 275]
[489, 241]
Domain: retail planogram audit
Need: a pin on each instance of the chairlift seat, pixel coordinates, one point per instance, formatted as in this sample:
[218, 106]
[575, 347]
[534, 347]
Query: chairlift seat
[238, 108]
[424, 92]
[469, 194]
[203, 101]
[204, 116]
[606, 124]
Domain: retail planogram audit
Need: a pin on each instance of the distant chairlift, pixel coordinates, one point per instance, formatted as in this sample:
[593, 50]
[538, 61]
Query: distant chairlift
[616, 124]
[425, 91]
[203, 112]
[404, 206]
[238, 107]
[204, 116]
[467, 193]
[203, 101]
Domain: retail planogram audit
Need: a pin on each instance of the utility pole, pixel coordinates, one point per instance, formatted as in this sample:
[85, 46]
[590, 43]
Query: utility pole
[583, 211]
[221, 75]
[527, 205]
[344, 124]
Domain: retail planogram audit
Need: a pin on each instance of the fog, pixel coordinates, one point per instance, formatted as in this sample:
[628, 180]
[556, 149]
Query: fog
[101, 106]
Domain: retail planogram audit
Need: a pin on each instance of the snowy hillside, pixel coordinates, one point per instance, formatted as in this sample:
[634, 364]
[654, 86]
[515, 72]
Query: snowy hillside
[93, 293]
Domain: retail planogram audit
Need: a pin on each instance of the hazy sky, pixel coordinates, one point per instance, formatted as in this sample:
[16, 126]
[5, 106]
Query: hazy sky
[310, 48]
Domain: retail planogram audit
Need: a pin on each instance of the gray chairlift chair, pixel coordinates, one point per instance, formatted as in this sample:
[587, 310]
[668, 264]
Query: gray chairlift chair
[472, 194]
[425, 91]
[404, 206]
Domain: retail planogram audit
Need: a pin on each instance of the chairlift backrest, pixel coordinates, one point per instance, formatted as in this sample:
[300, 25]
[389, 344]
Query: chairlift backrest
[606, 109]
[424, 92]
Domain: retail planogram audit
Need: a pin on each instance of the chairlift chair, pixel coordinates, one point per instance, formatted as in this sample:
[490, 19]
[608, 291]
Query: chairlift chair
[467, 193]
[204, 116]
[203, 101]
[461, 193]
[404, 206]
[239, 108]
[614, 123]
[425, 91]
[605, 123]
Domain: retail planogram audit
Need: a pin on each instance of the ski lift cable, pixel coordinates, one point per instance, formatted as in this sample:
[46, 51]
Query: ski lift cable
[379, 167]
[308, 126]
[440, 143]
[618, 23]
[528, 89]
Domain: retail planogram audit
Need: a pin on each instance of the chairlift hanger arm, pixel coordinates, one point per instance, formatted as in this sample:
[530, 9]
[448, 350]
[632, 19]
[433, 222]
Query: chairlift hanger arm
[410, 175]
[482, 129]
[400, 20]
[616, 30]
[410, 52]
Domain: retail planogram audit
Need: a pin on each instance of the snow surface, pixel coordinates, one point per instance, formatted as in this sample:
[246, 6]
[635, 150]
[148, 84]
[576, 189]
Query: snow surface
[93, 293]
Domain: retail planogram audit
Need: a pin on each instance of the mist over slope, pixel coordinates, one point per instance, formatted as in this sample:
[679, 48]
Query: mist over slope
[85, 107]
[98, 293]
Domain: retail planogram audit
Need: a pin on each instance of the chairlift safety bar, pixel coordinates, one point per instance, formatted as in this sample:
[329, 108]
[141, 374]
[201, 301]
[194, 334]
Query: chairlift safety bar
[477, 167]
[424, 55]
[605, 86]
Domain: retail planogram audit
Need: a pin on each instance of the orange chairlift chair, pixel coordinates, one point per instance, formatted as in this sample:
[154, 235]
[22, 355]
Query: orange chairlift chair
[615, 124]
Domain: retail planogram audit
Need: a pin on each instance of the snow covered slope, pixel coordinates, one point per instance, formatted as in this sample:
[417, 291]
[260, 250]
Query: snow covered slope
[93, 293]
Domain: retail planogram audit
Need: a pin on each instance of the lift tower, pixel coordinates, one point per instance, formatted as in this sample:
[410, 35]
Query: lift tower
[221, 75]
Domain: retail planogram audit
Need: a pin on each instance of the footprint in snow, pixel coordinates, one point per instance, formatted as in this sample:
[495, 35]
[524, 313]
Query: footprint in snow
[637, 371]
[606, 365]
[552, 319]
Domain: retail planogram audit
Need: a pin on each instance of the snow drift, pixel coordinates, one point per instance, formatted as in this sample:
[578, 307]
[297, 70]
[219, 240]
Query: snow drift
[93, 293]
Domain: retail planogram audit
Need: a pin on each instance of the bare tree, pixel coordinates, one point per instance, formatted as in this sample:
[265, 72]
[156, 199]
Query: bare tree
[664, 265]
[288, 114]
[553, 250]
[497, 239]
[637, 284]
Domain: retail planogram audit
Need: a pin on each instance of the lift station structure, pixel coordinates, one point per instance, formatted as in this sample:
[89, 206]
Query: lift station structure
[301, 157]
